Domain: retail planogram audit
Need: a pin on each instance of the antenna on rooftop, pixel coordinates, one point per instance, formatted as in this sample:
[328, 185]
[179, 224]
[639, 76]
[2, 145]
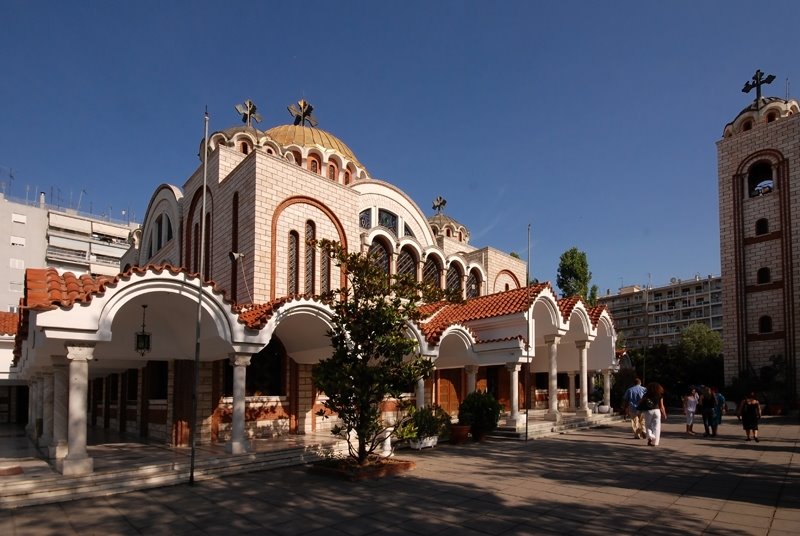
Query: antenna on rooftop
[787, 88]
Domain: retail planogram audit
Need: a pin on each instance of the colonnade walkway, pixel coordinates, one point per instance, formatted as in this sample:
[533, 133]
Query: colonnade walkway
[592, 481]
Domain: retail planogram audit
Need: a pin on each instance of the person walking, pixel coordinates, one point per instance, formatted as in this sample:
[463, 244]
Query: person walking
[708, 405]
[633, 395]
[690, 402]
[750, 412]
[654, 411]
[720, 408]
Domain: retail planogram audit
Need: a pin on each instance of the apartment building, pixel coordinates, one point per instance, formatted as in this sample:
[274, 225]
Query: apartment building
[658, 315]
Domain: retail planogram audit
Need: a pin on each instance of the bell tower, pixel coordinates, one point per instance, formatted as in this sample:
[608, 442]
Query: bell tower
[759, 208]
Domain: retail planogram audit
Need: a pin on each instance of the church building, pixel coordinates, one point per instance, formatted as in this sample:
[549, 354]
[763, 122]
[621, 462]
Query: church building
[222, 269]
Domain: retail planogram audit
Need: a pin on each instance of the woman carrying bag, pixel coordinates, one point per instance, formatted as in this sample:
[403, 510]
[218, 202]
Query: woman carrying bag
[653, 407]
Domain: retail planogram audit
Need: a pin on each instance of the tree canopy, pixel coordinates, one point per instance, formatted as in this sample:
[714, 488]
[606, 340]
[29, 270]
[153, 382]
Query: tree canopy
[573, 276]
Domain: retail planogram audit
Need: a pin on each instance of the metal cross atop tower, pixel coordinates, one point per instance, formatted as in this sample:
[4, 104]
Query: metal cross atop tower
[248, 111]
[302, 114]
[758, 81]
[438, 204]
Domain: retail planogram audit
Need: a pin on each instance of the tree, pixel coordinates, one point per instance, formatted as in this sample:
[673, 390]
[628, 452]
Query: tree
[373, 356]
[573, 275]
[699, 341]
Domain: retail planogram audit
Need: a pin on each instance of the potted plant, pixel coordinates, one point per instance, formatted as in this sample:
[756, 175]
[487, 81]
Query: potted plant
[423, 427]
[480, 411]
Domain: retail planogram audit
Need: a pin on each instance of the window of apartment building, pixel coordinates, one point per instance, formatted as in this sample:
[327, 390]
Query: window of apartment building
[17, 264]
[18, 241]
[762, 226]
[19, 218]
[763, 276]
[765, 324]
[759, 179]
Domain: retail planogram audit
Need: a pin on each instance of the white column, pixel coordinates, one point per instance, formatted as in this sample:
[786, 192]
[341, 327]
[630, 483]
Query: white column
[419, 393]
[514, 417]
[582, 347]
[58, 447]
[607, 387]
[77, 460]
[238, 442]
[47, 410]
[572, 390]
[472, 372]
[552, 391]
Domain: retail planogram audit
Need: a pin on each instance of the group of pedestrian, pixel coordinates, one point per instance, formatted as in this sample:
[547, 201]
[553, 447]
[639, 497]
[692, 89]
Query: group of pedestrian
[645, 408]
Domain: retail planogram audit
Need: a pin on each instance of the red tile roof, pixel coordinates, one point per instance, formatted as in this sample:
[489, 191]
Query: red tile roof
[490, 306]
[596, 312]
[8, 323]
[566, 305]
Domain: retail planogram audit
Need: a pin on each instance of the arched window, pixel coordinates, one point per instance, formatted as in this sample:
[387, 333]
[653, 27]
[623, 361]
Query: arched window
[245, 148]
[159, 232]
[747, 126]
[347, 177]
[292, 272]
[759, 179]
[388, 220]
[448, 233]
[365, 219]
[207, 248]
[431, 272]
[407, 263]
[298, 158]
[772, 116]
[765, 324]
[168, 223]
[266, 374]
[473, 284]
[507, 287]
[333, 172]
[325, 274]
[762, 226]
[196, 251]
[311, 257]
[453, 279]
[763, 276]
[235, 247]
[380, 255]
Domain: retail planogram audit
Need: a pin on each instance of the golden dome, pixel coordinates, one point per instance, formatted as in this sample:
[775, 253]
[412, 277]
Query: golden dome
[309, 136]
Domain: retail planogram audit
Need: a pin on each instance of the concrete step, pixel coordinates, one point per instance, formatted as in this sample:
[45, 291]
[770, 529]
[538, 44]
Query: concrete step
[539, 428]
[58, 488]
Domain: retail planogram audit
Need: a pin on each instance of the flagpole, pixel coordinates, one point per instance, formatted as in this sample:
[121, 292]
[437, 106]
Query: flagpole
[528, 357]
[201, 245]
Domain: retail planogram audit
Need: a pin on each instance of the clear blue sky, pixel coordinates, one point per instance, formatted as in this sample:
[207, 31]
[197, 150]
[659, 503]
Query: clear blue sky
[595, 122]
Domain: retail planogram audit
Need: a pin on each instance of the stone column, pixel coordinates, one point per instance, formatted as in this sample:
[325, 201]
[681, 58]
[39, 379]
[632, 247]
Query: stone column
[514, 417]
[35, 405]
[607, 387]
[238, 442]
[472, 372]
[572, 391]
[58, 447]
[419, 393]
[47, 410]
[552, 391]
[582, 347]
[77, 460]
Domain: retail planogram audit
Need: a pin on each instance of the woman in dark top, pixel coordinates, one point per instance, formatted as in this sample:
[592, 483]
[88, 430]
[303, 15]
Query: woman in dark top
[652, 417]
[750, 413]
[708, 405]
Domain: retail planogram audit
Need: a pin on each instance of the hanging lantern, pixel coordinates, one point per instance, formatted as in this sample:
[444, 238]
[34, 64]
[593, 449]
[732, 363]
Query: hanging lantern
[143, 337]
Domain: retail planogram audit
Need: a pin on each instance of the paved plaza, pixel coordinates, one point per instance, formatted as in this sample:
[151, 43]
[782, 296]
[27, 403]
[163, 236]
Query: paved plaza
[600, 481]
